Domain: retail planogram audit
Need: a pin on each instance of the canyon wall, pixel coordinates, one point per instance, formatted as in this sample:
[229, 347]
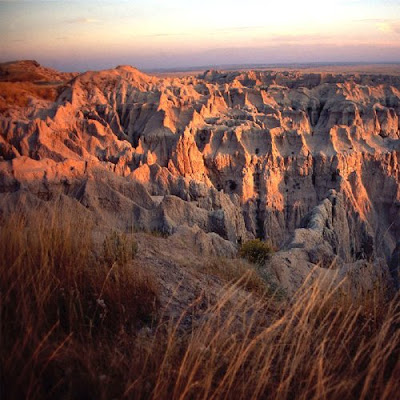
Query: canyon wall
[240, 154]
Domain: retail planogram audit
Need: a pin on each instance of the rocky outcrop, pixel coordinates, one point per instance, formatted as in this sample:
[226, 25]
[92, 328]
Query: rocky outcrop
[326, 241]
[240, 154]
[31, 71]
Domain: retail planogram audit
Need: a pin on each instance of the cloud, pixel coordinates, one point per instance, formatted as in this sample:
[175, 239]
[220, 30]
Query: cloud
[384, 25]
[84, 21]
[298, 38]
[372, 20]
[389, 27]
[159, 34]
[239, 29]
[218, 30]
[163, 34]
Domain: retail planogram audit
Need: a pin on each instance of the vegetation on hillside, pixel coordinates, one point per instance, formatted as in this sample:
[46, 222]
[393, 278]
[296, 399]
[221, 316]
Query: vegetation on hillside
[19, 94]
[256, 251]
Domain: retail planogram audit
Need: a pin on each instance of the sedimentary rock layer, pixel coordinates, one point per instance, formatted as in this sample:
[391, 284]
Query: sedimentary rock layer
[241, 154]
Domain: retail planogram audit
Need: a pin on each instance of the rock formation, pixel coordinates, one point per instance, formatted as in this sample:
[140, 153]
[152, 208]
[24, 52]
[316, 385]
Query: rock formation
[238, 154]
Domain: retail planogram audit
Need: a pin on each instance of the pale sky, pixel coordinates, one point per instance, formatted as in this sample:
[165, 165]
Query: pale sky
[95, 34]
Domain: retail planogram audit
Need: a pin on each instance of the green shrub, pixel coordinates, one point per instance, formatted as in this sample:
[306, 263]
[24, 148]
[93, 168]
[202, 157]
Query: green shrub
[256, 251]
[118, 248]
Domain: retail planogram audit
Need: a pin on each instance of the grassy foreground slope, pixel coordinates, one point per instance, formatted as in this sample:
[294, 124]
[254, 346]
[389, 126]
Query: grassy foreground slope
[86, 318]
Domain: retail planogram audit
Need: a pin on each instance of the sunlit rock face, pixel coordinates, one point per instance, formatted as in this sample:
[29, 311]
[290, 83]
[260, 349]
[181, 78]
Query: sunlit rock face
[241, 154]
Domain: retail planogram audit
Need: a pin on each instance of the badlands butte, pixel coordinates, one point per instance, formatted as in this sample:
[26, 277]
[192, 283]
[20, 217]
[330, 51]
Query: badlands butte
[307, 161]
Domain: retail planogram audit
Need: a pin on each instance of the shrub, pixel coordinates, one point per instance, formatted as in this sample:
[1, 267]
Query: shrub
[256, 251]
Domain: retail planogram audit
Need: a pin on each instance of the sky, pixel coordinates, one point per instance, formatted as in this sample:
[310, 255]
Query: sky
[156, 34]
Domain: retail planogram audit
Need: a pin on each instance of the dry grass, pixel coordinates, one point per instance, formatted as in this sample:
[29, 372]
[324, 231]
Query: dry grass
[315, 349]
[58, 299]
[70, 329]
[248, 276]
[18, 94]
[119, 248]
